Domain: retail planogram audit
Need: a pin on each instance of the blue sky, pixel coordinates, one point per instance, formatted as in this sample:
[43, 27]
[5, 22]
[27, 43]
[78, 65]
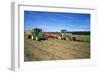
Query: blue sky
[55, 21]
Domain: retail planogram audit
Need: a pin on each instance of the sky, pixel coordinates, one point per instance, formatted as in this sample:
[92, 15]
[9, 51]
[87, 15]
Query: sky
[55, 21]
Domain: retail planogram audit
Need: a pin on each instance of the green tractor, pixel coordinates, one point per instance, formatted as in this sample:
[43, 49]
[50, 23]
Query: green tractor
[38, 35]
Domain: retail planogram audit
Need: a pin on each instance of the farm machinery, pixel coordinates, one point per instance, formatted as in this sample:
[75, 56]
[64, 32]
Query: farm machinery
[70, 36]
[38, 35]
[63, 36]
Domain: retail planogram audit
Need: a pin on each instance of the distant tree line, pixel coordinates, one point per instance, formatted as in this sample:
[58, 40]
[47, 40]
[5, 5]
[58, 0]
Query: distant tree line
[80, 33]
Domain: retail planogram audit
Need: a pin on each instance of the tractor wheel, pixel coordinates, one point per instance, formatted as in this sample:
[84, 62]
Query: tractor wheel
[66, 38]
[37, 39]
[32, 38]
[59, 38]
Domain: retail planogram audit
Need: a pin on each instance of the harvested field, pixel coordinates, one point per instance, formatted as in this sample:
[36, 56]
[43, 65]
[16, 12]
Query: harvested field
[54, 49]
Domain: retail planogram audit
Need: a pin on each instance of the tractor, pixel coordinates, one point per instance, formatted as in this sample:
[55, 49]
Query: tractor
[38, 35]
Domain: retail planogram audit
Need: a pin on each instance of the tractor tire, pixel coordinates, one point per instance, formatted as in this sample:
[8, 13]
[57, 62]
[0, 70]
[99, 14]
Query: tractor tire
[59, 38]
[37, 39]
[66, 38]
[32, 38]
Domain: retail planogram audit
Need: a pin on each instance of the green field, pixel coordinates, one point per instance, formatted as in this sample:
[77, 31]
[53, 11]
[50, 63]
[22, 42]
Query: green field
[85, 38]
